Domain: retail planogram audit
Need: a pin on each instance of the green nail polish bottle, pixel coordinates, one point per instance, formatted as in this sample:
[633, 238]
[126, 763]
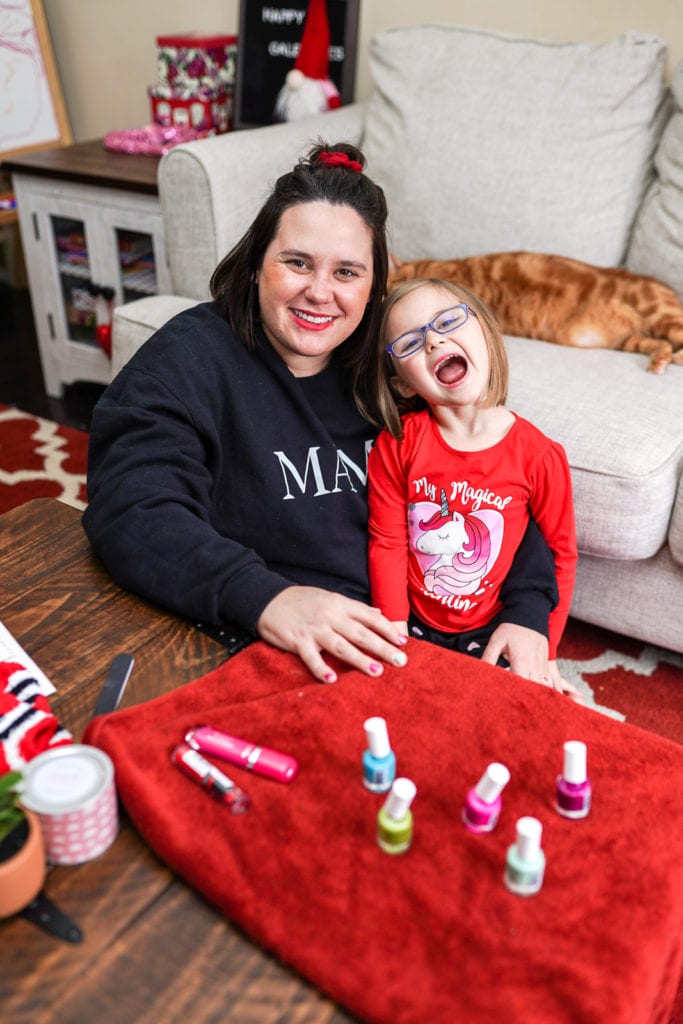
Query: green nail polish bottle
[395, 819]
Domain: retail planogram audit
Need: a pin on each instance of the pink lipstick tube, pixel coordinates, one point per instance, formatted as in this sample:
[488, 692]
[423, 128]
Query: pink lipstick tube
[260, 760]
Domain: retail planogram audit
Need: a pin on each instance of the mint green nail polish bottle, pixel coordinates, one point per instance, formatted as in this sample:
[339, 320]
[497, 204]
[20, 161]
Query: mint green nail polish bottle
[525, 864]
[395, 819]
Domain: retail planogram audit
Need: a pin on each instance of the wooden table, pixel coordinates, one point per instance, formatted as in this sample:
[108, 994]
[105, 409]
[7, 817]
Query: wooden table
[153, 951]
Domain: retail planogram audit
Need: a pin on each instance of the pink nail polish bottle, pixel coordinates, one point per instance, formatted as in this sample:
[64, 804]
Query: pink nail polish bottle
[573, 790]
[483, 802]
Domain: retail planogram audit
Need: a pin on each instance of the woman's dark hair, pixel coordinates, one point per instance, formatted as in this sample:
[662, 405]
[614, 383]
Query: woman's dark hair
[233, 284]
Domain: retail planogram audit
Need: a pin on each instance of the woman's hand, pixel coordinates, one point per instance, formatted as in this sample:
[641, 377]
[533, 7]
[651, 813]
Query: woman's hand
[310, 622]
[527, 653]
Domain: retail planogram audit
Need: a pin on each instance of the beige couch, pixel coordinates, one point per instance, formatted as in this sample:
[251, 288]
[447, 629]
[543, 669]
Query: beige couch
[486, 143]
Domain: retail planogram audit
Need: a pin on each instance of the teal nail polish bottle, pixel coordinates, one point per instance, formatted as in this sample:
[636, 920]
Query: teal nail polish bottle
[395, 819]
[379, 760]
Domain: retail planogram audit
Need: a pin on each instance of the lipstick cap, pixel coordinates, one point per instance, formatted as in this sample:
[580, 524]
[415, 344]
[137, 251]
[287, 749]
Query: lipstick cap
[574, 761]
[400, 797]
[492, 783]
[377, 737]
[529, 831]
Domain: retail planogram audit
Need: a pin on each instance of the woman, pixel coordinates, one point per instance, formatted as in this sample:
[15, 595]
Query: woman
[227, 462]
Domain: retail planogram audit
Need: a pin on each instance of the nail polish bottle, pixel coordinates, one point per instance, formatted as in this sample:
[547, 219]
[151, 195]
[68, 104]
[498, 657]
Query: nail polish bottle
[483, 802]
[573, 790]
[395, 819]
[525, 863]
[379, 760]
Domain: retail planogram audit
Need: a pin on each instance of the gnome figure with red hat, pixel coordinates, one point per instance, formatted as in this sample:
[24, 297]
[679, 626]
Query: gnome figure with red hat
[308, 89]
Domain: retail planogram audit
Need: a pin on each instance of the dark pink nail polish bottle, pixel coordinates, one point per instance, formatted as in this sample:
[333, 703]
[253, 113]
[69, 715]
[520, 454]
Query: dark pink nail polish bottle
[573, 791]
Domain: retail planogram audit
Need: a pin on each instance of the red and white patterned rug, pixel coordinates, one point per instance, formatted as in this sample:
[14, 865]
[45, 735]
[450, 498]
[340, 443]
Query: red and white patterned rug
[40, 459]
[623, 678]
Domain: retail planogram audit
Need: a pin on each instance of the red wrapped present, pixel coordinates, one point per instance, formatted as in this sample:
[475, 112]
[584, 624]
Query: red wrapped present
[206, 110]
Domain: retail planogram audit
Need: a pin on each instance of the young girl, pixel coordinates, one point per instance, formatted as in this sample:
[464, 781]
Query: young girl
[453, 483]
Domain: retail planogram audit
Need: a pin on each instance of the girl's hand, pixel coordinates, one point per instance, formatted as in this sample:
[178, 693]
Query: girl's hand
[310, 622]
[524, 648]
[558, 683]
[527, 652]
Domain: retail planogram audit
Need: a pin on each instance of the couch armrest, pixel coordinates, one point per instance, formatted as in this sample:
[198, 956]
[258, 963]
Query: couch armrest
[211, 189]
[135, 322]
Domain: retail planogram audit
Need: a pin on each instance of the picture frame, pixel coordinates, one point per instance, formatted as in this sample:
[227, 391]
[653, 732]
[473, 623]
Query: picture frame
[269, 34]
[33, 115]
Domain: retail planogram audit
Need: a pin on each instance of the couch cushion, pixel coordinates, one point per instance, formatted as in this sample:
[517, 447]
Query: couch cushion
[676, 529]
[622, 430]
[487, 142]
[657, 244]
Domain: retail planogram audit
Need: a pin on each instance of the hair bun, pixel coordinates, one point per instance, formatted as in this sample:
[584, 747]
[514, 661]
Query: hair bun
[335, 158]
[339, 154]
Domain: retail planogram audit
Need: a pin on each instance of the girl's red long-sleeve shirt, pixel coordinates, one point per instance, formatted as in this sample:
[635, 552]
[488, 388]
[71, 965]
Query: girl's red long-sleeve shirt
[445, 524]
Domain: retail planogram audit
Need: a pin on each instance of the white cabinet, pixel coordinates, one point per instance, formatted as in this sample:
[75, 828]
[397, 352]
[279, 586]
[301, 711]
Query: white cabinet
[87, 248]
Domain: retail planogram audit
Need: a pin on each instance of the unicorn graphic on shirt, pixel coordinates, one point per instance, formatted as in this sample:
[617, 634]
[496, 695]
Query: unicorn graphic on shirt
[455, 550]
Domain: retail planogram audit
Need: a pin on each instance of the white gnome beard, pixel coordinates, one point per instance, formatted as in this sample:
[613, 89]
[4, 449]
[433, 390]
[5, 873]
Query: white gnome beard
[309, 98]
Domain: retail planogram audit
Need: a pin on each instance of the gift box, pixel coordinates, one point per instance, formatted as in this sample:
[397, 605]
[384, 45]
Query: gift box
[205, 110]
[196, 82]
[190, 62]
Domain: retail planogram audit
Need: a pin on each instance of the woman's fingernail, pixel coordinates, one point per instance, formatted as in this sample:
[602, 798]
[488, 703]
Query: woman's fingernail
[330, 677]
[375, 668]
[399, 658]
[402, 640]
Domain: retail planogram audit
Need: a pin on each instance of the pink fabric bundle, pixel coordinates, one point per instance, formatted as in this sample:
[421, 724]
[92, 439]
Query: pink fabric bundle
[153, 139]
[432, 935]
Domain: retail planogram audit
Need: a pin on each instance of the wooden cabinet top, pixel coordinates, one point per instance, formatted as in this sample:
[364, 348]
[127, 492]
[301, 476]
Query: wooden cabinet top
[90, 163]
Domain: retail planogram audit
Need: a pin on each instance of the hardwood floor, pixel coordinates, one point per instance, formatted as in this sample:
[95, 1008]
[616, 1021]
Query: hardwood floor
[21, 377]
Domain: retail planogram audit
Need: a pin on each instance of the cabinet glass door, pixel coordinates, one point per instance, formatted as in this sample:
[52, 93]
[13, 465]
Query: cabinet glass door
[73, 271]
[136, 264]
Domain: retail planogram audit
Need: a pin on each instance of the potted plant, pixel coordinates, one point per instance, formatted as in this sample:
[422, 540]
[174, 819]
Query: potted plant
[22, 851]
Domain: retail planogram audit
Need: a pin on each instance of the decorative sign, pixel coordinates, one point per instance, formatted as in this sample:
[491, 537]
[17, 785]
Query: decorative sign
[269, 37]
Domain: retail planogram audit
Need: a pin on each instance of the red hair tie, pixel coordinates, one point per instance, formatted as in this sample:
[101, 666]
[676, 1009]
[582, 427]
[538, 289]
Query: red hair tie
[335, 158]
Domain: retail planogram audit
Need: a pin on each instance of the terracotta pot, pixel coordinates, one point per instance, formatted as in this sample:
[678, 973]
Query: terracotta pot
[22, 876]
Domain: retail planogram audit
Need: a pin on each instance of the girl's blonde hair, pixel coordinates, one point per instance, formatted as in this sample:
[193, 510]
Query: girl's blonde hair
[390, 405]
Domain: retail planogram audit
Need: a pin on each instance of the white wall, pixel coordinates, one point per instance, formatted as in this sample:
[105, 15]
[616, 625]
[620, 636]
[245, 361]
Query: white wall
[106, 54]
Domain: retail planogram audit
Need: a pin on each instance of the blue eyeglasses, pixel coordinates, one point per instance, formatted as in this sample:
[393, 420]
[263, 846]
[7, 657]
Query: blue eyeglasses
[445, 321]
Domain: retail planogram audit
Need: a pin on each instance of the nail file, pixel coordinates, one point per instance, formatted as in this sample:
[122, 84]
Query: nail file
[114, 685]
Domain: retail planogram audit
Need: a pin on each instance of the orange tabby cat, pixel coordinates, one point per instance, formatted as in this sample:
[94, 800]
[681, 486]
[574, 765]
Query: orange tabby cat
[567, 302]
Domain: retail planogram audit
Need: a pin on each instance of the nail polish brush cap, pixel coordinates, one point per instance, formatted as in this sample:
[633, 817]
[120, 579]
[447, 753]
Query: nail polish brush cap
[377, 736]
[529, 831]
[492, 783]
[574, 761]
[400, 797]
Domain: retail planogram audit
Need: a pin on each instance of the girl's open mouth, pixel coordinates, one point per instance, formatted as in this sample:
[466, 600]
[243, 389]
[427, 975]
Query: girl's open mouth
[451, 369]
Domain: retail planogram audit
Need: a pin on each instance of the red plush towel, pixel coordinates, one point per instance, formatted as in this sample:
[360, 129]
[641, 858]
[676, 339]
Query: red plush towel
[432, 935]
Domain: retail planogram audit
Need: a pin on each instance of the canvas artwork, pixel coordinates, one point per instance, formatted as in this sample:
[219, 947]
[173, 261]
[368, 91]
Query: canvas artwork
[32, 112]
